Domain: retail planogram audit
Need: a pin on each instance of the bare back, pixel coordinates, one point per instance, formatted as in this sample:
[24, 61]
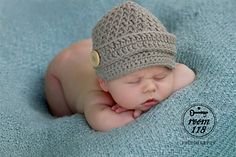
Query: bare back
[76, 75]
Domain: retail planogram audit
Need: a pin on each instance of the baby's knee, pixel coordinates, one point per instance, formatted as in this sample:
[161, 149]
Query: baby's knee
[59, 63]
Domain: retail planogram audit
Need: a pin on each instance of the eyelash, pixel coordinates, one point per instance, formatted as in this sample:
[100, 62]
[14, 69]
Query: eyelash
[159, 78]
[134, 82]
[155, 78]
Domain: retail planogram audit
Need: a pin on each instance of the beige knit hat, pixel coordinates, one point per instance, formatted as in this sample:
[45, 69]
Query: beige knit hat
[129, 38]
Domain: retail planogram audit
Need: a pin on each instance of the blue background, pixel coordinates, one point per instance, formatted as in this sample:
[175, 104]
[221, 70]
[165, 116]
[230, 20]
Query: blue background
[32, 32]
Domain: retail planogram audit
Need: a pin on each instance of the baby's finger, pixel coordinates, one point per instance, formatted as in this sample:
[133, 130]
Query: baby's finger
[120, 109]
[137, 113]
[115, 107]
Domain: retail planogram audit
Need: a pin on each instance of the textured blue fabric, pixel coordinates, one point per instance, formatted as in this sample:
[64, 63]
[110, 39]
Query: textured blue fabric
[32, 32]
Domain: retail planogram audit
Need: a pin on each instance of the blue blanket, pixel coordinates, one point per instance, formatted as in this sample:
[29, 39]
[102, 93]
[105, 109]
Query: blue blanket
[198, 120]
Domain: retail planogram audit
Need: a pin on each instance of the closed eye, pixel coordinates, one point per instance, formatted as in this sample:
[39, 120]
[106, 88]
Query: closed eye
[135, 81]
[159, 77]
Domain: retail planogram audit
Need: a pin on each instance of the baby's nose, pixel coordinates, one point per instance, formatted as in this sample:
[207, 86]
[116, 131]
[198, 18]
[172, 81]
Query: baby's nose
[149, 86]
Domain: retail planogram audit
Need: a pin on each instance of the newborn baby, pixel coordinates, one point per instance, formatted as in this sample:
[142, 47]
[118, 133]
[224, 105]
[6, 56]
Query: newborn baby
[125, 69]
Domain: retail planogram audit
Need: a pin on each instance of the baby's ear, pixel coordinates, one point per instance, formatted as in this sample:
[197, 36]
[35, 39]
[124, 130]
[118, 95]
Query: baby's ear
[103, 85]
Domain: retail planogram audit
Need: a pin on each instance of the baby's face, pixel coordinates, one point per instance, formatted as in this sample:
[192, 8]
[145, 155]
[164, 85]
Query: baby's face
[142, 89]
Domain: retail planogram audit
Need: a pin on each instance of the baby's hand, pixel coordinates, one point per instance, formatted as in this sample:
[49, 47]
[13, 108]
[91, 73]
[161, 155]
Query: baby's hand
[137, 113]
[118, 109]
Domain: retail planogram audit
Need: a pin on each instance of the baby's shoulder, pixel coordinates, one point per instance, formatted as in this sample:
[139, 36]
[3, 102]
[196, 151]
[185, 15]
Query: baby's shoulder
[99, 97]
[183, 76]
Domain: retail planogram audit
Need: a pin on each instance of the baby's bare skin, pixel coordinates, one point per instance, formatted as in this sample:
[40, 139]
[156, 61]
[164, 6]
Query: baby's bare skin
[72, 86]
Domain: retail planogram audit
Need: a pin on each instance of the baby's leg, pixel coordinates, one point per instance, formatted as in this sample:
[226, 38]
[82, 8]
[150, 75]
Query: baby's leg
[55, 96]
[64, 81]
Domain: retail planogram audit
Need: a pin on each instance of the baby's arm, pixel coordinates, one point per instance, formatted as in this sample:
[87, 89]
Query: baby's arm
[183, 76]
[118, 109]
[99, 114]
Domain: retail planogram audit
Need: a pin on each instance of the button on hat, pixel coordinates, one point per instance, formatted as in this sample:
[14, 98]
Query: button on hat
[94, 58]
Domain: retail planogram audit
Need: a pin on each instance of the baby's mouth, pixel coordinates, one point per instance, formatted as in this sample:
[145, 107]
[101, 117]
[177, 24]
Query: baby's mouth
[150, 102]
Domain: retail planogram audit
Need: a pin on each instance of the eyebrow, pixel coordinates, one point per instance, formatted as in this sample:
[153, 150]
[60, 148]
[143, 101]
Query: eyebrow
[133, 76]
[162, 73]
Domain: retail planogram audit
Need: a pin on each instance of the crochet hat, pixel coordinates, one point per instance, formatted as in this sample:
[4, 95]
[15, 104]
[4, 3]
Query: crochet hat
[129, 38]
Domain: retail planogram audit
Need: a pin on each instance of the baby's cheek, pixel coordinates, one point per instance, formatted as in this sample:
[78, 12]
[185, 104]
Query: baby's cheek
[128, 100]
[134, 99]
[165, 89]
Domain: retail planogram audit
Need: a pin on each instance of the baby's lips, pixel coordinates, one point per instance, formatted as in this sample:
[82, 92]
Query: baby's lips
[150, 102]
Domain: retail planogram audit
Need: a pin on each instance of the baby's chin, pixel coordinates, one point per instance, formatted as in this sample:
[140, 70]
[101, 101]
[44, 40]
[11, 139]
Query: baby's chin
[144, 105]
[144, 108]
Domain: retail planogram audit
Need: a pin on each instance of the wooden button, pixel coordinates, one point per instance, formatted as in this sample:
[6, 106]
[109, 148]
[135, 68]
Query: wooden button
[95, 59]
